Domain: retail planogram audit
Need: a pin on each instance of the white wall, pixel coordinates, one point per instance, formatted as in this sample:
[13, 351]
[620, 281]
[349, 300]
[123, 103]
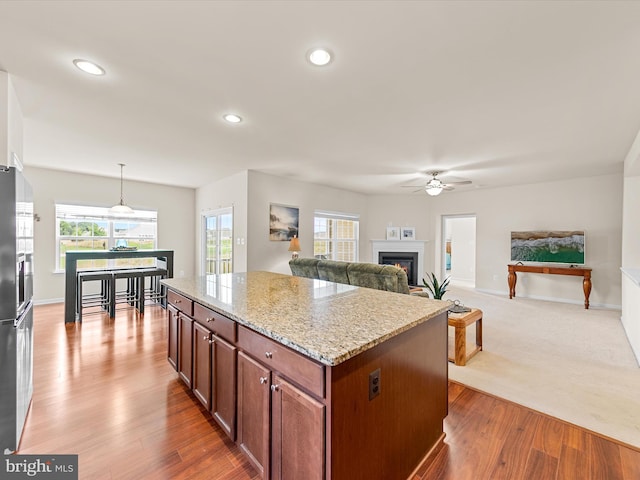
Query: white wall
[11, 123]
[592, 204]
[631, 223]
[631, 309]
[4, 118]
[399, 211]
[228, 192]
[250, 193]
[631, 246]
[264, 189]
[175, 208]
[463, 249]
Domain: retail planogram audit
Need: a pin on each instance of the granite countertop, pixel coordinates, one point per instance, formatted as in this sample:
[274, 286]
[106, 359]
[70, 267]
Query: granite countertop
[326, 321]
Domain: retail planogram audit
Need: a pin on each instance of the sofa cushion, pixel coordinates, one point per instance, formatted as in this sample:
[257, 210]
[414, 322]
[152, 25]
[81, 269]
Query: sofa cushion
[370, 275]
[304, 267]
[333, 271]
[381, 277]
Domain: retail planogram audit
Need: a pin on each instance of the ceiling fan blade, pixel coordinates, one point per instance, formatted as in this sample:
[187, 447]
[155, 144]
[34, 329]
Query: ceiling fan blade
[462, 182]
[420, 188]
[447, 187]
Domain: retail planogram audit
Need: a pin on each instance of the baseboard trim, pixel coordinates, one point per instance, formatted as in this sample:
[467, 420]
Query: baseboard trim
[429, 456]
[552, 299]
[48, 301]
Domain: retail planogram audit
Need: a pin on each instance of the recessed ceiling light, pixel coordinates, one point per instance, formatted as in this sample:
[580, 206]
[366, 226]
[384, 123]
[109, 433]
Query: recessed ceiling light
[319, 56]
[89, 67]
[232, 118]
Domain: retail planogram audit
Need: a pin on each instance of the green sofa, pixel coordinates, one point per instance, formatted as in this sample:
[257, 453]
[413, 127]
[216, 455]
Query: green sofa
[370, 275]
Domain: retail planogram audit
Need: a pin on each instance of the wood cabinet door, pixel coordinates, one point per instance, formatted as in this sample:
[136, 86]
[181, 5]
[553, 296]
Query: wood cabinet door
[298, 434]
[185, 349]
[223, 385]
[172, 336]
[254, 381]
[201, 383]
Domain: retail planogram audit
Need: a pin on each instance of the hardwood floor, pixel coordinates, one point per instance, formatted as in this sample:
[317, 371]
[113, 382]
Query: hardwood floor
[105, 391]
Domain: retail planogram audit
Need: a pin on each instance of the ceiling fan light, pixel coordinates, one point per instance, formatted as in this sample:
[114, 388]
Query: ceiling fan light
[433, 190]
[434, 187]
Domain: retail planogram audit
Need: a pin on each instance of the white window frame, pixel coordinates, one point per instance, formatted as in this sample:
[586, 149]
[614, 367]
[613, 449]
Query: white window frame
[93, 214]
[334, 216]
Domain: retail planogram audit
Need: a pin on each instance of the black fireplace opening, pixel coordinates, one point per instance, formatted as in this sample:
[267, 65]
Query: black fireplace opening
[408, 261]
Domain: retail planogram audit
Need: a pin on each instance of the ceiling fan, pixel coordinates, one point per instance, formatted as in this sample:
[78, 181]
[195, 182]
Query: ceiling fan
[435, 186]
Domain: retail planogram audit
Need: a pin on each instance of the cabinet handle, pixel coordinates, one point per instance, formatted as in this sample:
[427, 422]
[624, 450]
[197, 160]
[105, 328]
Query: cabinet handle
[268, 354]
[263, 380]
[206, 337]
[178, 301]
[275, 388]
[210, 319]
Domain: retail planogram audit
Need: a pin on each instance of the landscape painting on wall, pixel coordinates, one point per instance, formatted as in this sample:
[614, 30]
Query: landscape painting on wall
[548, 246]
[283, 222]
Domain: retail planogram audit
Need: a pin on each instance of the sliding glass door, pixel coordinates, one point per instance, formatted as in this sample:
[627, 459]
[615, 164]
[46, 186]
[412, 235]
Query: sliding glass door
[218, 241]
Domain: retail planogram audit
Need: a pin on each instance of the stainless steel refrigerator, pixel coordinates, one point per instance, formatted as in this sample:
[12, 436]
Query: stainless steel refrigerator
[16, 305]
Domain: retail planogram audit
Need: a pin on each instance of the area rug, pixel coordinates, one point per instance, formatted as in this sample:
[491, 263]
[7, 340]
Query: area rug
[556, 358]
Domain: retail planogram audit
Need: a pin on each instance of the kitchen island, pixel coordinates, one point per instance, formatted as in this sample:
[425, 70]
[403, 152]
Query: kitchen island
[313, 379]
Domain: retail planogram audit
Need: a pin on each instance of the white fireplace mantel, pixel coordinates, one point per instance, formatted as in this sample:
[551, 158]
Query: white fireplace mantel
[400, 246]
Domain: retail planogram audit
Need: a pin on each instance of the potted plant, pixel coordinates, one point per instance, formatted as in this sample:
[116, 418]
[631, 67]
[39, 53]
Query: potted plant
[436, 288]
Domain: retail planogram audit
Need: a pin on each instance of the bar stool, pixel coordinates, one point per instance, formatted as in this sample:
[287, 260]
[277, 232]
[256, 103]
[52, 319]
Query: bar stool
[155, 292]
[136, 293]
[104, 299]
[131, 295]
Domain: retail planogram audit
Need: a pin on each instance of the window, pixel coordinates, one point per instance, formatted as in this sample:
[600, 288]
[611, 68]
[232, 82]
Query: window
[93, 228]
[335, 236]
[218, 241]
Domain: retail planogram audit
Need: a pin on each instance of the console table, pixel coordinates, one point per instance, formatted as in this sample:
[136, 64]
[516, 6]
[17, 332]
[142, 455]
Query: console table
[573, 271]
[164, 258]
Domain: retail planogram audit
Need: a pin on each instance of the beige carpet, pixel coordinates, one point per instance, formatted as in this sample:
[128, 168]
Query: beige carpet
[556, 358]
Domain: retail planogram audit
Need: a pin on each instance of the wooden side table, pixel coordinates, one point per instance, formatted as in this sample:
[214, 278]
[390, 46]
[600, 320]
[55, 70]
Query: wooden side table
[460, 321]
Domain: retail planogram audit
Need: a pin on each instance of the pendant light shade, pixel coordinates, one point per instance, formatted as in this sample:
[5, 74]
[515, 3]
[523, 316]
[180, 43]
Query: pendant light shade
[121, 208]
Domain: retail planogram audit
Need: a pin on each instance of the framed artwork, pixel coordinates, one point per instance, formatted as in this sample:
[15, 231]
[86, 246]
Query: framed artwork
[393, 233]
[283, 222]
[555, 246]
[408, 233]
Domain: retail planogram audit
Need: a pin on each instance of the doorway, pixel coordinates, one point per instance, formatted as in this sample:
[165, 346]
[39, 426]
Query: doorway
[217, 241]
[459, 249]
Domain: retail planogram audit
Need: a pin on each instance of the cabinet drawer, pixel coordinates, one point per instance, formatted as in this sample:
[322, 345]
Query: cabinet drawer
[296, 367]
[181, 302]
[221, 325]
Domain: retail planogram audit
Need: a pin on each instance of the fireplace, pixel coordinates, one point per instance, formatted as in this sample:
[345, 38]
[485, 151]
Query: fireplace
[403, 247]
[408, 261]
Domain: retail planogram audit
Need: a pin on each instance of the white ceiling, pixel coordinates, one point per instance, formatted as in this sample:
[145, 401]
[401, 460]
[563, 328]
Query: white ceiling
[499, 93]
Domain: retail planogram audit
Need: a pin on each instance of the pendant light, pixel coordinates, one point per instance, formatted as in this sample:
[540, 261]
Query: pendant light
[121, 208]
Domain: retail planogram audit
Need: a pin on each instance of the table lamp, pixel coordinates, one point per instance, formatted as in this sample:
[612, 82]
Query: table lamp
[294, 246]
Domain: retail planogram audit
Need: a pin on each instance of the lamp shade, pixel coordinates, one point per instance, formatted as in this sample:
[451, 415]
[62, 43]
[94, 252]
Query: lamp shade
[294, 245]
